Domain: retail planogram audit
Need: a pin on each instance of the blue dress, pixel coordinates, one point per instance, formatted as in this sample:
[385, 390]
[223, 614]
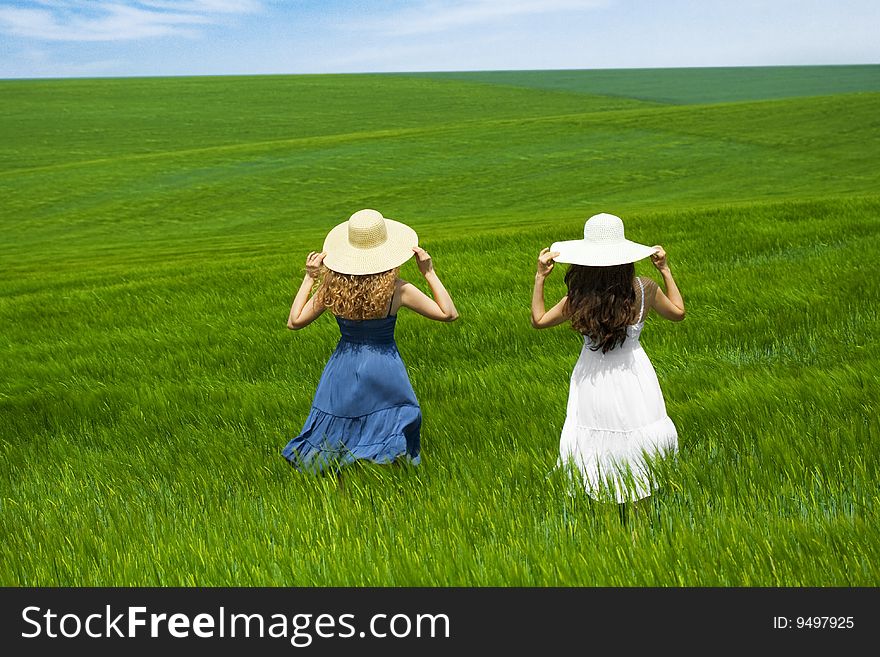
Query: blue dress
[364, 407]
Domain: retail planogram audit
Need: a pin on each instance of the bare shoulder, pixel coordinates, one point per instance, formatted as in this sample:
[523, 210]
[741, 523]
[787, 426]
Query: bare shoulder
[649, 283]
[650, 286]
[405, 293]
[397, 295]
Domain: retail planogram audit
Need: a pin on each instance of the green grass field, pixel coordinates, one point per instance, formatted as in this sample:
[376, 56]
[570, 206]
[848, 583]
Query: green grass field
[154, 231]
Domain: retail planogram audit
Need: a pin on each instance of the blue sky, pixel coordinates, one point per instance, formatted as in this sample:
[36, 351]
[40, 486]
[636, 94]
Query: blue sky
[63, 38]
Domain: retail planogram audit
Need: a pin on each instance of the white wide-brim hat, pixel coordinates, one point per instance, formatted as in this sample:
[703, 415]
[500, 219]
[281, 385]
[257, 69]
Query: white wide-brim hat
[604, 245]
[368, 243]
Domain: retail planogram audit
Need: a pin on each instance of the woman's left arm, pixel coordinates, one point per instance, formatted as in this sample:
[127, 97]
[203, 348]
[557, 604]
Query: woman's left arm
[304, 311]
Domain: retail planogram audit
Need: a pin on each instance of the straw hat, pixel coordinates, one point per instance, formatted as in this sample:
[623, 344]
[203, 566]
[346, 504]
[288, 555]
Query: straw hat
[603, 245]
[368, 243]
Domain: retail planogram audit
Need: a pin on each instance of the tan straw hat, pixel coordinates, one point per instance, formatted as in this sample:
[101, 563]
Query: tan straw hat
[603, 245]
[368, 243]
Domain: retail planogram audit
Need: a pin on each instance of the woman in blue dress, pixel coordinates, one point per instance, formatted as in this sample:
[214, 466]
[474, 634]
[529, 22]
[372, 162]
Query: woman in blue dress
[364, 407]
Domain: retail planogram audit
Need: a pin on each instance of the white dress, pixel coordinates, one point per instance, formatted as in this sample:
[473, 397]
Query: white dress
[616, 420]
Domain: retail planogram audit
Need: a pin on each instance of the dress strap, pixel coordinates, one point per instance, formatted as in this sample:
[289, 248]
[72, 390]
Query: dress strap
[642, 308]
[390, 303]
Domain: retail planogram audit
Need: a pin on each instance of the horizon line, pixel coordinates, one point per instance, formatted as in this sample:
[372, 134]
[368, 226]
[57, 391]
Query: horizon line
[432, 71]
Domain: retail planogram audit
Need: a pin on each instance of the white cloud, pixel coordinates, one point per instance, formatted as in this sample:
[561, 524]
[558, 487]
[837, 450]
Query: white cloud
[114, 20]
[431, 16]
[389, 57]
[207, 6]
[35, 62]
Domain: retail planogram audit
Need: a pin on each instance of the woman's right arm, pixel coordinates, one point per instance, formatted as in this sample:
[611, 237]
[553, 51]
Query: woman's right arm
[671, 304]
[303, 310]
[441, 307]
[541, 317]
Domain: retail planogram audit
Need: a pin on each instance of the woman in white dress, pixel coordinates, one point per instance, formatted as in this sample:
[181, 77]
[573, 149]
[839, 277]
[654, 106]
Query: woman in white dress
[616, 421]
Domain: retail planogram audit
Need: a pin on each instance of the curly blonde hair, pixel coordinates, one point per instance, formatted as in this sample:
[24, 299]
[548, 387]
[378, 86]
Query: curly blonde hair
[356, 296]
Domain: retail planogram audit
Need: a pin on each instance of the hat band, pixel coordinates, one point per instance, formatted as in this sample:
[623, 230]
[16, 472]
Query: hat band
[607, 242]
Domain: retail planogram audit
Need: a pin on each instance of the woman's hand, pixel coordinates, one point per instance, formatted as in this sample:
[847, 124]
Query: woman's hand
[659, 258]
[423, 258]
[313, 263]
[545, 262]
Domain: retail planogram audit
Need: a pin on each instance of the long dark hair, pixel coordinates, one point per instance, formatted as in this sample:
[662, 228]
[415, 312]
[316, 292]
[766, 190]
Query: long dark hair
[600, 303]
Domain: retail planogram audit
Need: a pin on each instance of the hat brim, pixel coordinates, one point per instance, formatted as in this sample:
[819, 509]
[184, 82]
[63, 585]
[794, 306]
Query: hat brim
[344, 258]
[582, 252]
